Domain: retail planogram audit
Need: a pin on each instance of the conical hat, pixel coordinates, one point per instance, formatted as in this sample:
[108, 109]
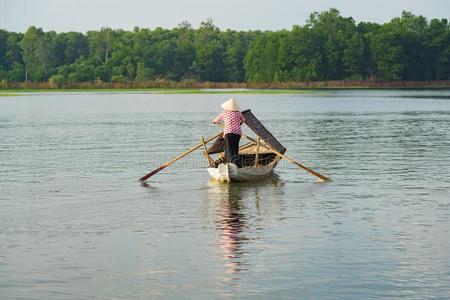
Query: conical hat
[230, 105]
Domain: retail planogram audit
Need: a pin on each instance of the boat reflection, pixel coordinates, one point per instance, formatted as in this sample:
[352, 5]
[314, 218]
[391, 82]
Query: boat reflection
[233, 207]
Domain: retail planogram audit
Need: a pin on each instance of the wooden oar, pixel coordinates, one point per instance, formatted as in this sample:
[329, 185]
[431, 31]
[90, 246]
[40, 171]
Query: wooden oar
[291, 160]
[166, 164]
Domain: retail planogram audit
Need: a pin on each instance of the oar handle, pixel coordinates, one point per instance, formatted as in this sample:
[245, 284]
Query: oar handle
[164, 165]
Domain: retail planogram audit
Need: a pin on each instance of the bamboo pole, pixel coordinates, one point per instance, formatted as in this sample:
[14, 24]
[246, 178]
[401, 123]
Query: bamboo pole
[258, 143]
[210, 161]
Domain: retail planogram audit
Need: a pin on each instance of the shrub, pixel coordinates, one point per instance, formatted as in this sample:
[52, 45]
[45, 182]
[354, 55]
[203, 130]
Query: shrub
[4, 84]
[118, 78]
[103, 73]
[56, 79]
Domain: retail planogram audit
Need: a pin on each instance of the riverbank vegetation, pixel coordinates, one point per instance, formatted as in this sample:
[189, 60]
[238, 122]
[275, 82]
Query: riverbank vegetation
[250, 87]
[328, 51]
[13, 92]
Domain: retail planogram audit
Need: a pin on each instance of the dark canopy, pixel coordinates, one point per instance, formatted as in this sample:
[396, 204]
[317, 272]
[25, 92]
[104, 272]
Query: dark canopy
[254, 124]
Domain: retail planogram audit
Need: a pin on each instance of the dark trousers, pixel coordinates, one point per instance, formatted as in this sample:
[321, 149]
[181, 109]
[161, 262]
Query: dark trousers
[232, 148]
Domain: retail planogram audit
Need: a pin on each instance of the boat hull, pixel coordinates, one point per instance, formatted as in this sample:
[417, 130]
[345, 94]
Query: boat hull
[231, 173]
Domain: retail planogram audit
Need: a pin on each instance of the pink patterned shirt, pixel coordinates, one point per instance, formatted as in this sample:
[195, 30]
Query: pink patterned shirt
[232, 121]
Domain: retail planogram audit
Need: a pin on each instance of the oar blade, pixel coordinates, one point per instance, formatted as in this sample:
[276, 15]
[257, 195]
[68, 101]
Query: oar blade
[144, 178]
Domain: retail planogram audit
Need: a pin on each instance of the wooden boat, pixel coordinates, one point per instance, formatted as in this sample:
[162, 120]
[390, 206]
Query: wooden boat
[256, 159]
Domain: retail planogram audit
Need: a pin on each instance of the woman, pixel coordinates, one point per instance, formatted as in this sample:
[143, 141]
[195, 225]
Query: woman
[232, 119]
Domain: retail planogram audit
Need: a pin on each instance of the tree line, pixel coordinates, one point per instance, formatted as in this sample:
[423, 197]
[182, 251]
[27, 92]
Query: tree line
[328, 47]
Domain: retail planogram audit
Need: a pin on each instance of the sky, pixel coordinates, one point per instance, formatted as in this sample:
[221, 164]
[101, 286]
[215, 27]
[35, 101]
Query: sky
[84, 15]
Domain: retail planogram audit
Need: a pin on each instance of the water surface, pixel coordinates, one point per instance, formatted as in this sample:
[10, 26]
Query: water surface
[76, 224]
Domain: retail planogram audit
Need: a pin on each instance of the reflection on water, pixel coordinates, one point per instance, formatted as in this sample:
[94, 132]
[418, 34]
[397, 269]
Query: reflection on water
[231, 226]
[236, 204]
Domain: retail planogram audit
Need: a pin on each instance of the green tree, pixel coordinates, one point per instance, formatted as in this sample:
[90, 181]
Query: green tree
[13, 53]
[84, 70]
[103, 73]
[131, 73]
[3, 50]
[328, 47]
[17, 73]
[330, 33]
[100, 44]
[184, 51]
[264, 58]
[305, 54]
[236, 46]
[208, 64]
[389, 57]
[438, 34]
[353, 57]
[3, 47]
[74, 45]
[142, 72]
[35, 52]
[368, 66]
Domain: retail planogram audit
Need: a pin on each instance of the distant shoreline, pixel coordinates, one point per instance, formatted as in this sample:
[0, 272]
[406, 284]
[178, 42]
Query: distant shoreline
[219, 87]
[19, 92]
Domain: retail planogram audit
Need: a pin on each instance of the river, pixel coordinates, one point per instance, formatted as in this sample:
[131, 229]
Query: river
[76, 224]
